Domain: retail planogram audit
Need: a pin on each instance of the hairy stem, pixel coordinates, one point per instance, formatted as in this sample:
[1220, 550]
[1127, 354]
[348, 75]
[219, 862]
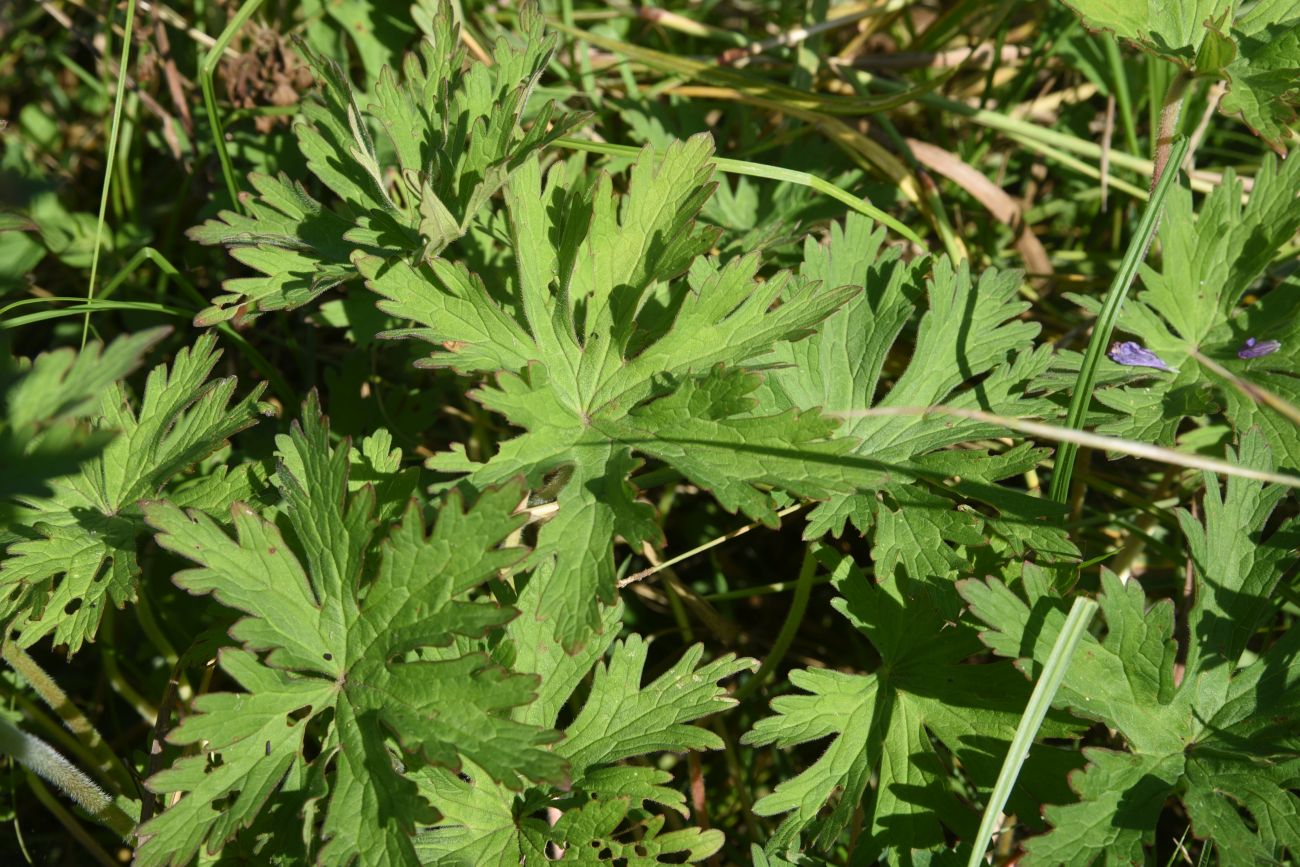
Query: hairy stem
[46, 762]
[1169, 114]
[69, 714]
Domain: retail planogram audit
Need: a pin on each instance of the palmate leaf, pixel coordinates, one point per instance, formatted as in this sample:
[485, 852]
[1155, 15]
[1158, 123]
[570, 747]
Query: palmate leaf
[885, 726]
[601, 352]
[1255, 47]
[347, 638]
[1225, 741]
[970, 350]
[1210, 261]
[456, 135]
[44, 400]
[82, 547]
[621, 718]
[1265, 74]
[1172, 29]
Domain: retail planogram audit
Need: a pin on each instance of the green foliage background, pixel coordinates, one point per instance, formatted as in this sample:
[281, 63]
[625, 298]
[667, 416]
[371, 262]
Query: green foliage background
[491, 434]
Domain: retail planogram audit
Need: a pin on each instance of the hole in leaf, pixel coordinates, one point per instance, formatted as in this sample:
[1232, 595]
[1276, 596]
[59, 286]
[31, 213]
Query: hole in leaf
[225, 802]
[72, 607]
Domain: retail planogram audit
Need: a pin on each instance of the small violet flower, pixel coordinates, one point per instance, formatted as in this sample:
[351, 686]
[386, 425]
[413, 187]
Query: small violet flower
[1258, 349]
[1131, 354]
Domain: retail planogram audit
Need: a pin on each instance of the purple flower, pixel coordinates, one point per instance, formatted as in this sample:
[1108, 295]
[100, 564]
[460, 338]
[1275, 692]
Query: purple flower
[1131, 354]
[1253, 349]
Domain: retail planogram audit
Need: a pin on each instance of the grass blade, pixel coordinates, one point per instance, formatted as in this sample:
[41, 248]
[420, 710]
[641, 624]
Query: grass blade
[209, 69]
[114, 127]
[1076, 625]
[1072, 437]
[1106, 319]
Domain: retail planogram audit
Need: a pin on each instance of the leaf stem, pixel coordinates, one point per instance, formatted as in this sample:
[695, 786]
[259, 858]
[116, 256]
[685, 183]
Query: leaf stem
[1169, 115]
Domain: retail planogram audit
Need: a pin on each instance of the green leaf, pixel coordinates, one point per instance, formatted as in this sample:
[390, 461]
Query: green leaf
[351, 653]
[1171, 29]
[81, 550]
[971, 349]
[1222, 739]
[45, 399]
[1196, 301]
[483, 823]
[1264, 78]
[589, 835]
[886, 724]
[1255, 47]
[456, 137]
[600, 352]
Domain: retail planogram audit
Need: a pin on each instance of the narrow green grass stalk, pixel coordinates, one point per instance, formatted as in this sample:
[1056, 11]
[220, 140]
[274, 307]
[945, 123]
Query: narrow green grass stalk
[259, 361]
[1106, 319]
[206, 72]
[1084, 168]
[110, 160]
[771, 173]
[1058, 662]
[148, 254]
[761, 590]
[46, 762]
[586, 79]
[1123, 96]
[91, 307]
[1032, 134]
[793, 619]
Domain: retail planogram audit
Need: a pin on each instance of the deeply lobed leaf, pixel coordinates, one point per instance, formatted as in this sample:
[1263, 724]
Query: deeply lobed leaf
[971, 349]
[1195, 303]
[457, 135]
[350, 644]
[885, 725]
[607, 798]
[1222, 739]
[600, 351]
[81, 551]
